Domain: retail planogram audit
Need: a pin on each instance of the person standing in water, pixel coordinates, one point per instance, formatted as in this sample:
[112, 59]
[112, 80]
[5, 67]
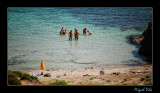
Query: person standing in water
[70, 35]
[63, 31]
[76, 34]
[84, 30]
[89, 32]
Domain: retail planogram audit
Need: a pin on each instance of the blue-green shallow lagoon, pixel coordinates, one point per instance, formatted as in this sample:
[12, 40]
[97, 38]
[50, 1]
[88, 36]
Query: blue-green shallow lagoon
[33, 35]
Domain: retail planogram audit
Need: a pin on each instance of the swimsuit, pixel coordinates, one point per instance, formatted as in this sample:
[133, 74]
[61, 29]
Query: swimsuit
[76, 34]
[61, 33]
[70, 34]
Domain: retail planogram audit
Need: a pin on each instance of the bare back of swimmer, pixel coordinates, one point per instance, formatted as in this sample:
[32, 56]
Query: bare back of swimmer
[76, 34]
[70, 35]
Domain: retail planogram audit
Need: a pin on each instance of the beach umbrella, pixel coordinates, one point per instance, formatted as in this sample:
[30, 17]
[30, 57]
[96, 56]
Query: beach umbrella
[42, 67]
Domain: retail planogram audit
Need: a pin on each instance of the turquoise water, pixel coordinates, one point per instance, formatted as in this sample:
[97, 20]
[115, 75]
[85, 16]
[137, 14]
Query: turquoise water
[33, 35]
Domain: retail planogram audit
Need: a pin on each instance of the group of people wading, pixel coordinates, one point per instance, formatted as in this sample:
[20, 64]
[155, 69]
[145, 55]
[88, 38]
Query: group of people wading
[76, 33]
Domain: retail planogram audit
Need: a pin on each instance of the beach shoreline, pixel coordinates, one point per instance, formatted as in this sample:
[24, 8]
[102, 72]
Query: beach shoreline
[129, 75]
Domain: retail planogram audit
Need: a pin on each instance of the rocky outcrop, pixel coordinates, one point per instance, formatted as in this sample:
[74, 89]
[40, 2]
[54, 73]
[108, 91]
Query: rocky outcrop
[146, 41]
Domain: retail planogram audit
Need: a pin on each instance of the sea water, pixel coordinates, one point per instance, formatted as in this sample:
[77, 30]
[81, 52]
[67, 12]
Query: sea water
[34, 35]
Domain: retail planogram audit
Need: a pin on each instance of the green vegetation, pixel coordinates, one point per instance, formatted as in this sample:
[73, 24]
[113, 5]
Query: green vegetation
[14, 77]
[93, 77]
[127, 78]
[13, 81]
[148, 76]
[59, 82]
[28, 77]
[148, 83]
[34, 78]
[147, 79]
[18, 73]
[25, 77]
[108, 80]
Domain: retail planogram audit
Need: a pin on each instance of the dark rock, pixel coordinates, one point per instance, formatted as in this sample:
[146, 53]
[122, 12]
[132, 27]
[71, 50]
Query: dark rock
[65, 74]
[102, 72]
[142, 79]
[146, 41]
[115, 73]
[88, 68]
[86, 75]
[146, 48]
[136, 40]
[47, 75]
[133, 72]
[132, 39]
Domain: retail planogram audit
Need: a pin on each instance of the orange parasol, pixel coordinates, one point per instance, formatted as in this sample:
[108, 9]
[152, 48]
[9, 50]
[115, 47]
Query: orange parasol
[42, 65]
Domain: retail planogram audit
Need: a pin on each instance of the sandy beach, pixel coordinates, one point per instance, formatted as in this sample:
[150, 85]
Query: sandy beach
[132, 75]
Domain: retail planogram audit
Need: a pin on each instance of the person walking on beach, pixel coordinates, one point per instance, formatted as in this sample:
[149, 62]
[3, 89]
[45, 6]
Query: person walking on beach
[70, 35]
[76, 34]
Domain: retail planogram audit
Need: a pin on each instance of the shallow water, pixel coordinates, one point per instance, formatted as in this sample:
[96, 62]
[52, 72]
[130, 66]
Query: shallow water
[33, 35]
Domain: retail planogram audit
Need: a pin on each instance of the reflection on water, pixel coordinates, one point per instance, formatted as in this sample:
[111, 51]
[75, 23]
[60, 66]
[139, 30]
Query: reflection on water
[63, 35]
[84, 34]
[76, 43]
